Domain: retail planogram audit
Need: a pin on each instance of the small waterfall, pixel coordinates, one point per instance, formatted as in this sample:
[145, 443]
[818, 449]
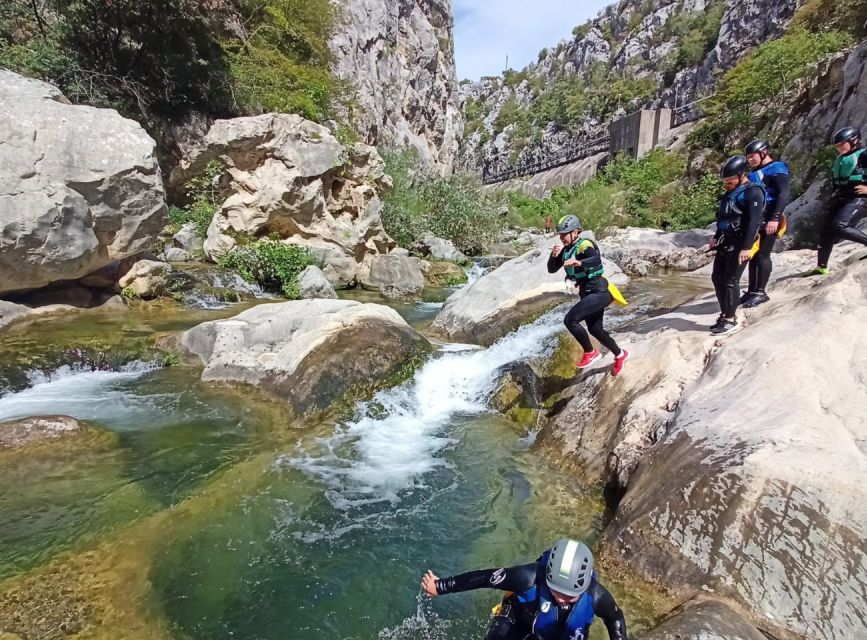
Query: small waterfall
[397, 436]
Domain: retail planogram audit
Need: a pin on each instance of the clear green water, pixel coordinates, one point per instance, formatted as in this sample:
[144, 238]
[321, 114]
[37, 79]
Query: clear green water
[248, 527]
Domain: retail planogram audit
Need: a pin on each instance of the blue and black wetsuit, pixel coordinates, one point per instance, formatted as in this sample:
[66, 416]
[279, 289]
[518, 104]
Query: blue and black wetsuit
[593, 290]
[529, 610]
[775, 178]
[738, 220]
[846, 208]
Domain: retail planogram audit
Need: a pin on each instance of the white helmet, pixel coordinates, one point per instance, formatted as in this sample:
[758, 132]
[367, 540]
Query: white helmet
[570, 567]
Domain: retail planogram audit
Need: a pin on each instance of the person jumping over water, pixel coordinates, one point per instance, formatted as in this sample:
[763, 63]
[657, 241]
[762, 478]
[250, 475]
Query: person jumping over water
[774, 175]
[555, 598]
[848, 205]
[582, 260]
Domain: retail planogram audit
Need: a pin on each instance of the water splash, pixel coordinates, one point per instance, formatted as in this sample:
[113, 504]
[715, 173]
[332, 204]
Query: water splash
[398, 436]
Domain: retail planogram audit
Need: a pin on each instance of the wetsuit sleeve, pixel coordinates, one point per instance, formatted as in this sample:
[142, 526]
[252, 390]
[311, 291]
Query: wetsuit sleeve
[555, 263]
[517, 579]
[779, 182]
[754, 200]
[605, 607]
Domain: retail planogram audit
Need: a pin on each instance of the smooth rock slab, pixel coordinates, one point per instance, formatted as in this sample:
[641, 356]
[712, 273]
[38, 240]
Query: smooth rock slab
[705, 620]
[309, 353]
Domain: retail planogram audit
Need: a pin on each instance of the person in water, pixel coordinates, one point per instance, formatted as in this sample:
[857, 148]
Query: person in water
[556, 597]
[774, 176]
[848, 204]
[582, 261]
[737, 221]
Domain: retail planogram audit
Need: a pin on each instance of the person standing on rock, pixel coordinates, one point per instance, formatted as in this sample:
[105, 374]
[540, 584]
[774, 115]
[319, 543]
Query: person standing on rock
[549, 223]
[737, 221]
[555, 598]
[774, 175]
[582, 261]
[848, 204]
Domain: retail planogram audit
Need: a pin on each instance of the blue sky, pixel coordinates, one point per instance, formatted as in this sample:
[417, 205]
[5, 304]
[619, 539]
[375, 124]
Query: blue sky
[486, 31]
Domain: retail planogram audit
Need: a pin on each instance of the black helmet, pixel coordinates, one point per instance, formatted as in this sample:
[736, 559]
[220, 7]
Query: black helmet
[568, 223]
[848, 134]
[734, 166]
[757, 146]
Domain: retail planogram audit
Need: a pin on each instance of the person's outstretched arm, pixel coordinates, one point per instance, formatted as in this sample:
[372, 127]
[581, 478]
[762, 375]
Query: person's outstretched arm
[606, 608]
[517, 579]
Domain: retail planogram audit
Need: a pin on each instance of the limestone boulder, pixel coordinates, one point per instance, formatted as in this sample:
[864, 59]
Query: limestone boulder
[312, 283]
[508, 296]
[431, 247]
[288, 177]
[639, 251]
[705, 619]
[147, 279]
[394, 276]
[80, 187]
[740, 458]
[308, 353]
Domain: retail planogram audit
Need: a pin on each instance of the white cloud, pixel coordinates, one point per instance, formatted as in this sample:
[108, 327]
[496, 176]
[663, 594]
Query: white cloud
[486, 31]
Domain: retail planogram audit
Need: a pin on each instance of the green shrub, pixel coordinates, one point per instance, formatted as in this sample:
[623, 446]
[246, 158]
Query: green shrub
[274, 265]
[203, 195]
[692, 207]
[848, 16]
[641, 179]
[453, 207]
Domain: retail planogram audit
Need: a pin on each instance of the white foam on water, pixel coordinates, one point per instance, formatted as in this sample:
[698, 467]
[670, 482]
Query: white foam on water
[76, 392]
[398, 436]
[475, 271]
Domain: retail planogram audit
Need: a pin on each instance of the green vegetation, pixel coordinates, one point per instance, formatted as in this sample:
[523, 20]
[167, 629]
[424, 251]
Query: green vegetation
[203, 195]
[274, 265]
[163, 58]
[847, 16]
[753, 92]
[454, 207]
[696, 32]
[643, 193]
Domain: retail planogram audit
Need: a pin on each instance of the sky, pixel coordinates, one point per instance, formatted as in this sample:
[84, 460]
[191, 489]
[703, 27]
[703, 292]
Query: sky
[486, 31]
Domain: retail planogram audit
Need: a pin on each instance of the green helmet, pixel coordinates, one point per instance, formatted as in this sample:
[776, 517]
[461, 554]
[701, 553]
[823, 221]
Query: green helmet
[568, 223]
[570, 567]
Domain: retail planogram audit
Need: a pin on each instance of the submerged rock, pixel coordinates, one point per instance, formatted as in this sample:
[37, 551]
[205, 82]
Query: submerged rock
[80, 187]
[509, 296]
[147, 279]
[309, 353]
[18, 433]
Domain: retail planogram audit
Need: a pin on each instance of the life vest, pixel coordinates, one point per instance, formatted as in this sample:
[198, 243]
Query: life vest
[732, 207]
[581, 273]
[846, 170]
[775, 168]
[546, 623]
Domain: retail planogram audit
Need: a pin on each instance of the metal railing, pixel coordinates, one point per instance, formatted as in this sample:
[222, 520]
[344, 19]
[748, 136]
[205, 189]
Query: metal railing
[565, 156]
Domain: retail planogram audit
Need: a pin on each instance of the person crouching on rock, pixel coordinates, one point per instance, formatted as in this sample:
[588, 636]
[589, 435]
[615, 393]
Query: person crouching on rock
[582, 260]
[848, 205]
[774, 175]
[554, 598]
[737, 222]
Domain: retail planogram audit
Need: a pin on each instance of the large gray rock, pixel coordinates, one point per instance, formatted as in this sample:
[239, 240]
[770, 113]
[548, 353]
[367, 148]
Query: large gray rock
[308, 353]
[705, 620]
[312, 283]
[501, 300]
[741, 459]
[399, 58]
[435, 248]
[394, 276]
[289, 177]
[79, 187]
[637, 250]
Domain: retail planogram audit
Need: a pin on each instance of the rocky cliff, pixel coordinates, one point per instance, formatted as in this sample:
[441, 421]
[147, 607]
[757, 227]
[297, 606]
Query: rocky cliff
[399, 57]
[635, 53]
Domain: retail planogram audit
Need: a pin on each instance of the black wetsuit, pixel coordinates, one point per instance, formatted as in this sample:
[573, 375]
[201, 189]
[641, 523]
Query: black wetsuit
[775, 177]
[514, 620]
[738, 220]
[845, 211]
[593, 290]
